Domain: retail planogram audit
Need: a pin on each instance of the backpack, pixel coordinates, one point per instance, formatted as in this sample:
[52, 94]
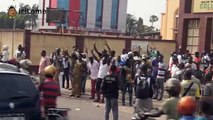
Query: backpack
[142, 88]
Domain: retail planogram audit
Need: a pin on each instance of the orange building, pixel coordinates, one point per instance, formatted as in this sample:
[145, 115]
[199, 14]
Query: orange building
[169, 20]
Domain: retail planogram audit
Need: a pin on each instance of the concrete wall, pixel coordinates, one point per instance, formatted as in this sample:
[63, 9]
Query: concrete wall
[35, 42]
[115, 44]
[12, 39]
[164, 47]
[49, 43]
[169, 19]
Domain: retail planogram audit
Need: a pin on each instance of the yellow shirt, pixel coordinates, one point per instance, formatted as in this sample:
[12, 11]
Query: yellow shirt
[194, 91]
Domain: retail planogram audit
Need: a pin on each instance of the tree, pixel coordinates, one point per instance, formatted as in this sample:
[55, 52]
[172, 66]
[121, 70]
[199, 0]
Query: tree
[140, 25]
[130, 24]
[153, 19]
[32, 17]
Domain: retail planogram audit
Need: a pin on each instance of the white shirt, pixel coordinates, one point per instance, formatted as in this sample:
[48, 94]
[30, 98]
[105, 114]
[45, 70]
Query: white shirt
[65, 63]
[174, 69]
[94, 68]
[103, 70]
[5, 56]
[180, 60]
[20, 57]
[170, 63]
[124, 57]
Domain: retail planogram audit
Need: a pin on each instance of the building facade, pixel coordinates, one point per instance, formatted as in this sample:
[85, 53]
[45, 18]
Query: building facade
[169, 20]
[97, 15]
[195, 28]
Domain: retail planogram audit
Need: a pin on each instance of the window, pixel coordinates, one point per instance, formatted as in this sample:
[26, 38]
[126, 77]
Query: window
[16, 85]
[84, 13]
[193, 36]
[114, 17]
[99, 14]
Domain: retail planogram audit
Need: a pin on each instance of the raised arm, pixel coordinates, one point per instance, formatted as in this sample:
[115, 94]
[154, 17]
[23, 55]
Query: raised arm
[96, 50]
[109, 49]
[147, 50]
[95, 57]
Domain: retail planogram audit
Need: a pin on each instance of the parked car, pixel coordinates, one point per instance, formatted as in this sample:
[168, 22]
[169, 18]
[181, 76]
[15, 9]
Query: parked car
[19, 98]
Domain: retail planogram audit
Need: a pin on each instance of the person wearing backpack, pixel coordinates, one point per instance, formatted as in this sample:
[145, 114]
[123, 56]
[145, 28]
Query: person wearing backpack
[144, 90]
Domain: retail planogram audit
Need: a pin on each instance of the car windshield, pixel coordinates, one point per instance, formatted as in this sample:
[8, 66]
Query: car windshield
[16, 86]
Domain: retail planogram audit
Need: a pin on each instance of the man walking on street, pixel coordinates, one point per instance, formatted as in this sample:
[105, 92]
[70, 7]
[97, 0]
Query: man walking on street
[110, 90]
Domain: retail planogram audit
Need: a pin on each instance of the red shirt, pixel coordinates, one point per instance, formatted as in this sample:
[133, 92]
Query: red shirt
[197, 60]
[50, 91]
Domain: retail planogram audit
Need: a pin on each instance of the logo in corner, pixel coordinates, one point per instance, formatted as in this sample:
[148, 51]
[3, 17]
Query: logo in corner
[12, 11]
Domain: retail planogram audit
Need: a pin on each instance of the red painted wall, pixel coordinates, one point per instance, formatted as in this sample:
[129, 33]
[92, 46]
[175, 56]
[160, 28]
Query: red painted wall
[73, 15]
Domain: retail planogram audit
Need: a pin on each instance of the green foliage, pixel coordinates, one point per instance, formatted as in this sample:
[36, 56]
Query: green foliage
[134, 26]
[153, 18]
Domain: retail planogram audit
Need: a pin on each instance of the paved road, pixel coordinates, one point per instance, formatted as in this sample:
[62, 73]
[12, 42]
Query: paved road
[84, 109]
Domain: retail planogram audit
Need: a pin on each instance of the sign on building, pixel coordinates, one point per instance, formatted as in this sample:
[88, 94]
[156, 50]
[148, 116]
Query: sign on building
[202, 6]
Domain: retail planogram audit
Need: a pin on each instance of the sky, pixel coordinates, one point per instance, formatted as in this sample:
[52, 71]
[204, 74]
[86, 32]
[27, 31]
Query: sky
[138, 8]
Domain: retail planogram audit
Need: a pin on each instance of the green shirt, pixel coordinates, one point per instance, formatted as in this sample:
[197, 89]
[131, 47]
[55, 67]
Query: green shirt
[170, 108]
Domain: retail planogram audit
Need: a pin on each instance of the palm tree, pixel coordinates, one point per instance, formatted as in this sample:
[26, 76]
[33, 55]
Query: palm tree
[34, 17]
[140, 25]
[153, 18]
[130, 24]
[30, 18]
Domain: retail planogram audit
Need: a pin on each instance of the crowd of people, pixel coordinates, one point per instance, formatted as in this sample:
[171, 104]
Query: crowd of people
[142, 76]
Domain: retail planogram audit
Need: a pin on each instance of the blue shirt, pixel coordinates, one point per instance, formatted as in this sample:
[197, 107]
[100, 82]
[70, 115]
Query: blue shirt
[188, 118]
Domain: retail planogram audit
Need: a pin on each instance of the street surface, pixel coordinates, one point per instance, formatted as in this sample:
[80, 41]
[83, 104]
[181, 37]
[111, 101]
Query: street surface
[84, 109]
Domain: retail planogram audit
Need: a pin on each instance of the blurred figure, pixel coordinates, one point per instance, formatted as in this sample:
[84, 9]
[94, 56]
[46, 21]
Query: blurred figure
[127, 83]
[206, 108]
[188, 83]
[197, 60]
[49, 89]
[77, 78]
[190, 62]
[208, 87]
[161, 76]
[57, 60]
[44, 62]
[20, 54]
[205, 59]
[174, 68]
[84, 73]
[93, 67]
[110, 88]
[124, 55]
[66, 72]
[144, 91]
[169, 107]
[180, 72]
[5, 54]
